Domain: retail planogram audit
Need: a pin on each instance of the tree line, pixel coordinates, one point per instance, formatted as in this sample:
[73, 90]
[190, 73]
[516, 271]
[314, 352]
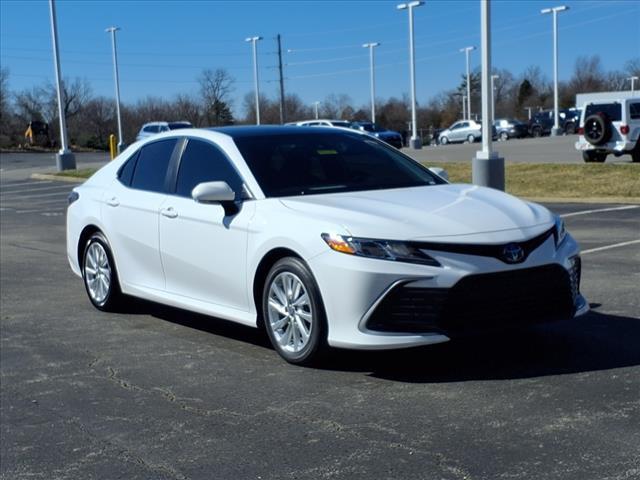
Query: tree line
[91, 119]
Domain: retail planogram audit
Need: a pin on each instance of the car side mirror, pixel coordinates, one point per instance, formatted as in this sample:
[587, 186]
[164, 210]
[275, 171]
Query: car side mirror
[213, 192]
[441, 172]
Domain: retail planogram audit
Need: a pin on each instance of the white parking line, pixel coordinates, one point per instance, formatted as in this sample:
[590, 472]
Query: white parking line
[598, 210]
[607, 247]
[62, 194]
[40, 210]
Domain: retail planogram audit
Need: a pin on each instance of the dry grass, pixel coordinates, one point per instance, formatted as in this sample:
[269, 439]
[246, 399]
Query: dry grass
[560, 181]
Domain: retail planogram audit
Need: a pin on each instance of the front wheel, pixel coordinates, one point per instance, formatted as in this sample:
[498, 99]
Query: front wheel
[504, 136]
[99, 274]
[444, 140]
[536, 132]
[293, 313]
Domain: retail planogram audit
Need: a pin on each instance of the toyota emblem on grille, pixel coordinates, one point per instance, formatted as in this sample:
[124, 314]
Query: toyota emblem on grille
[512, 253]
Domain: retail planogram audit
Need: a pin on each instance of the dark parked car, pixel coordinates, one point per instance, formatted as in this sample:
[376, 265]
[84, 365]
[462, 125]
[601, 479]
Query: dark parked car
[542, 122]
[389, 136]
[507, 128]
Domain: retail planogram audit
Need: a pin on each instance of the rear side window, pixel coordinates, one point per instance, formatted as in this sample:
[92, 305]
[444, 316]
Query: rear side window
[152, 129]
[611, 110]
[203, 162]
[126, 171]
[634, 111]
[151, 168]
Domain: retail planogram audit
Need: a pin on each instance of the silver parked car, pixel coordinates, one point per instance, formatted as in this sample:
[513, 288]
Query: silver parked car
[462, 131]
[152, 128]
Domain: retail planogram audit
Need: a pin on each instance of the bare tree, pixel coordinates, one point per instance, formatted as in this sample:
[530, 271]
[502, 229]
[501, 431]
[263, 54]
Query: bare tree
[215, 88]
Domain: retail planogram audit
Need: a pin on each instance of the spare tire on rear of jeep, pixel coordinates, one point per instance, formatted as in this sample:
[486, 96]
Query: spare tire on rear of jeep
[597, 128]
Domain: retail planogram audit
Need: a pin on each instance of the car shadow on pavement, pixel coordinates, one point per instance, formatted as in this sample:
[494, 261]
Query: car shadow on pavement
[594, 342]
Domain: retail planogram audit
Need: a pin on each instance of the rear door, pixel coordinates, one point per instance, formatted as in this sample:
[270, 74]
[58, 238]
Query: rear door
[130, 214]
[204, 247]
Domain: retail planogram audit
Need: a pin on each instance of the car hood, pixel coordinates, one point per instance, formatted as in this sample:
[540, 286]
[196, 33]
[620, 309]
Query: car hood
[451, 212]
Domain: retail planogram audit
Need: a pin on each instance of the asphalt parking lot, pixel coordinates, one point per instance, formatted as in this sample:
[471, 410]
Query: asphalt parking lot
[159, 393]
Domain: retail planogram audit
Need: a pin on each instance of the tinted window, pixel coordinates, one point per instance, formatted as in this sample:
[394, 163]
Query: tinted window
[152, 129]
[125, 174]
[177, 125]
[634, 111]
[151, 169]
[203, 162]
[611, 110]
[300, 164]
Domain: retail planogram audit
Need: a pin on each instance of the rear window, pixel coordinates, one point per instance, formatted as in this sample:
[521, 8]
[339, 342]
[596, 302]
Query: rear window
[634, 111]
[151, 168]
[306, 164]
[611, 110]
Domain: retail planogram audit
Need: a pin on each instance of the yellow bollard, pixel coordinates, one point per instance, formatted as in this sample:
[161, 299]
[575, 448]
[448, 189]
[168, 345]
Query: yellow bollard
[112, 146]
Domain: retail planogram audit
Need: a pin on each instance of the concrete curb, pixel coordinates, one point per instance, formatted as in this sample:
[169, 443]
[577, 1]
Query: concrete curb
[57, 178]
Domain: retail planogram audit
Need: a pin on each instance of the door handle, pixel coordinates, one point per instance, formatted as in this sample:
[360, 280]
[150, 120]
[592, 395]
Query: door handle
[113, 202]
[169, 212]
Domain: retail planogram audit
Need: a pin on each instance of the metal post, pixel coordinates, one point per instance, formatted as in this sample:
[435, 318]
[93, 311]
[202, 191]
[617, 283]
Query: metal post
[555, 131]
[464, 107]
[487, 166]
[254, 41]
[371, 46]
[493, 97]
[316, 104]
[116, 77]
[415, 141]
[633, 83]
[282, 108]
[466, 51]
[65, 160]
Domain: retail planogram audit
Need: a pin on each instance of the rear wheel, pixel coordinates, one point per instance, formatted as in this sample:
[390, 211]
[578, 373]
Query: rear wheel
[594, 157]
[471, 139]
[536, 132]
[635, 153]
[570, 128]
[504, 136]
[293, 313]
[99, 274]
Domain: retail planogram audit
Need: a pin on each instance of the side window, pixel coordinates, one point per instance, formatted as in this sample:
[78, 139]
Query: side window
[151, 168]
[464, 125]
[125, 174]
[634, 111]
[455, 126]
[203, 162]
[151, 129]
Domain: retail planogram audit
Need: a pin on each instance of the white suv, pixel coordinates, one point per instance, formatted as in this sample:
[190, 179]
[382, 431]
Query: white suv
[321, 122]
[610, 126]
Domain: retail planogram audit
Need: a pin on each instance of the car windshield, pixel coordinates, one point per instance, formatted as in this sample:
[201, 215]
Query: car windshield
[611, 110]
[305, 164]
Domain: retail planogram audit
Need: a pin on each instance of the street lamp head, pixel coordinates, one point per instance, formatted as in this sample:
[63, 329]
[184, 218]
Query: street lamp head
[369, 45]
[467, 49]
[112, 29]
[561, 8]
[404, 6]
[495, 76]
[252, 39]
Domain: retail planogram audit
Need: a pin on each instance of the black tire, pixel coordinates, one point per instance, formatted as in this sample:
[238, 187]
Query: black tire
[504, 136]
[635, 153]
[594, 157]
[570, 128]
[443, 140]
[471, 139]
[536, 132]
[113, 297]
[597, 129]
[316, 344]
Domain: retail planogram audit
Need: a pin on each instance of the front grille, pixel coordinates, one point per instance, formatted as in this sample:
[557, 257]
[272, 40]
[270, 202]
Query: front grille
[516, 297]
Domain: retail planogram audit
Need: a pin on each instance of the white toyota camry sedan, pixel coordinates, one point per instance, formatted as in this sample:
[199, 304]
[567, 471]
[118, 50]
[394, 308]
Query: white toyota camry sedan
[320, 236]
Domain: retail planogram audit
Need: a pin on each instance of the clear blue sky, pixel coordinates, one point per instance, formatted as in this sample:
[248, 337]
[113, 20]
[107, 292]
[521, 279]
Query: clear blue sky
[164, 45]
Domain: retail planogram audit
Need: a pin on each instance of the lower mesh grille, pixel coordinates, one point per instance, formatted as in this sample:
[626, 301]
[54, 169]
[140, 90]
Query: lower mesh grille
[480, 301]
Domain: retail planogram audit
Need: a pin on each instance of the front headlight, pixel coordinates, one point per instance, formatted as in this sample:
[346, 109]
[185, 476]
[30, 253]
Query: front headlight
[560, 232]
[381, 249]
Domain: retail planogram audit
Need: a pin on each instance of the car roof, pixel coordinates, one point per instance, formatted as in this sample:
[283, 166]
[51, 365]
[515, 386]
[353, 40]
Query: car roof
[253, 130]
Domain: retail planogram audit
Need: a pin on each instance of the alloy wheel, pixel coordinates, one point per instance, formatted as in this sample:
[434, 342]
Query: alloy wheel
[290, 313]
[97, 272]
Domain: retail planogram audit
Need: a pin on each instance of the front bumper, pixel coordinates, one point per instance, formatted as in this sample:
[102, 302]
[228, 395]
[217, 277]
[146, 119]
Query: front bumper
[358, 292]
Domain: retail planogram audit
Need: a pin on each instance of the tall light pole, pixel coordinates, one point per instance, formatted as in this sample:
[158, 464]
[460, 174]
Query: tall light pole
[633, 82]
[487, 166]
[493, 97]
[315, 106]
[464, 107]
[415, 142]
[371, 46]
[254, 41]
[466, 51]
[116, 78]
[556, 123]
[65, 160]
